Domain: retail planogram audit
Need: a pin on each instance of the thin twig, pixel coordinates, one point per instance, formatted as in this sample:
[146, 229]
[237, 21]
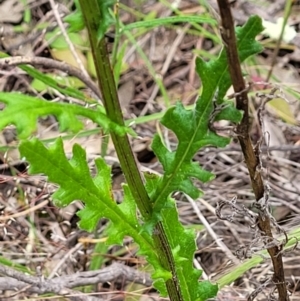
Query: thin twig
[53, 64]
[16, 280]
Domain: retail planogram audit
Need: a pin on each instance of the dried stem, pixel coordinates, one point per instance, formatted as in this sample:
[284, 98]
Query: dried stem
[50, 63]
[251, 157]
[62, 285]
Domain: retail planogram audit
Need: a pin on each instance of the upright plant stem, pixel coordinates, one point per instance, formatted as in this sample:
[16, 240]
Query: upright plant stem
[251, 157]
[93, 18]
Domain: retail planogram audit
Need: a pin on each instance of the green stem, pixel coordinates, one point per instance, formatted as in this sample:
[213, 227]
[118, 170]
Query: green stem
[93, 17]
[91, 13]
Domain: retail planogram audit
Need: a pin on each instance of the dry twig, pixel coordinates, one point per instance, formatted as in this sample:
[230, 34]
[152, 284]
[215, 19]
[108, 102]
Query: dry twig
[62, 285]
[50, 63]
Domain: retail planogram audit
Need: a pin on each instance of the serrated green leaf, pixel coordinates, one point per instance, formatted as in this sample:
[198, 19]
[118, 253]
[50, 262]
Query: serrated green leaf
[75, 183]
[177, 164]
[182, 242]
[192, 127]
[73, 177]
[23, 111]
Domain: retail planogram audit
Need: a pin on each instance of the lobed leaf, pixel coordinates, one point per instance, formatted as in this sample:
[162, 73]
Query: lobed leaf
[192, 127]
[23, 111]
[75, 183]
[182, 243]
[183, 246]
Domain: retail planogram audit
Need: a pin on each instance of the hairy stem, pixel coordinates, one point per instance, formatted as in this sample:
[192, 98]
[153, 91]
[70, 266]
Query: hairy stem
[251, 157]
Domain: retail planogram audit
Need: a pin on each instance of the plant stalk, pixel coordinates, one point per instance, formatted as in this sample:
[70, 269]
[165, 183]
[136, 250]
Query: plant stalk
[93, 18]
[251, 157]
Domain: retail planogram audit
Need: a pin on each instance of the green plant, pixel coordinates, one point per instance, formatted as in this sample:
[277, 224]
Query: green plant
[148, 212]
